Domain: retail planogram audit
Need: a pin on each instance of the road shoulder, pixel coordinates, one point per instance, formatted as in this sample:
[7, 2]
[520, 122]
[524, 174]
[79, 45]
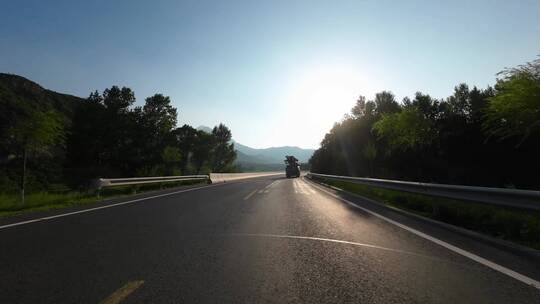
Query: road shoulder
[526, 264]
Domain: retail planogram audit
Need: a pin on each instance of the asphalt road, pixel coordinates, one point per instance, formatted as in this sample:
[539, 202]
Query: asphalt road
[265, 240]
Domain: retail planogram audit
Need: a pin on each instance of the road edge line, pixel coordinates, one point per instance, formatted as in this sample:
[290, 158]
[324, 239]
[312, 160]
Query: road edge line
[509, 272]
[46, 218]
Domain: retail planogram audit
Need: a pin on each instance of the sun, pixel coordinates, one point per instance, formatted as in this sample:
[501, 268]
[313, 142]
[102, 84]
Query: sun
[314, 98]
[323, 94]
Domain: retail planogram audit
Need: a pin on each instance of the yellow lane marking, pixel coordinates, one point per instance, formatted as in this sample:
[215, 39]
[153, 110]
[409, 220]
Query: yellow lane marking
[250, 194]
[122, 293]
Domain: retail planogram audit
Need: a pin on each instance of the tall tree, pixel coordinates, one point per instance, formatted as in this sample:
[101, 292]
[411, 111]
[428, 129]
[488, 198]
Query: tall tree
[514, 111]
[159, 115]
[407, 129]
[224, 153]
[202, 150]
[171, 157]
[37, 133]
[385, 102]
[186, 140]
[156, 119]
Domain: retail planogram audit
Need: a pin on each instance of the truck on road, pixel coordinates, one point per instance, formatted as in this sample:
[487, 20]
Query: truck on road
[292, 168]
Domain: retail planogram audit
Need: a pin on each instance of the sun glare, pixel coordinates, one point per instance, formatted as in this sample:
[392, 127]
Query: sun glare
[326, 93]
[320, 96]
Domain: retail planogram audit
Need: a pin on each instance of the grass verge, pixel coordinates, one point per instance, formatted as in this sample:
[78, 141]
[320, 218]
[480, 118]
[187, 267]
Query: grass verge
[511, 224]
[10, 204]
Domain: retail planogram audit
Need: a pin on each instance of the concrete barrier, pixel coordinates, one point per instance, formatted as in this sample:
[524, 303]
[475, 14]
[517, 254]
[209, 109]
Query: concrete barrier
[225, 177]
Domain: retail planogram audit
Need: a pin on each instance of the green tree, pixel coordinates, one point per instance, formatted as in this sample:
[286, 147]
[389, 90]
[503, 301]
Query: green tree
[186, 139]
[385, 102]
[156, 121]
[159, 115]
[514, 111]
[115, 99]
[37, 133]
[369, 152]
[202, 150]
[408, 129]
[171, 157]
[223, 153]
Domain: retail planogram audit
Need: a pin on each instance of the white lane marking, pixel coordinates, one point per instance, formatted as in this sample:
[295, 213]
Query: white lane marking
[250, 194]
[271, 185]
[299, 237]
[509, 272]
[305, 187]
[122, 293]
[102, 207]
[308, 187]
[268, 187]
[297, 187]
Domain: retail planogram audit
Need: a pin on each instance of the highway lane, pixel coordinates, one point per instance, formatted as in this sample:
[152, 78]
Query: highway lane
[265, 240]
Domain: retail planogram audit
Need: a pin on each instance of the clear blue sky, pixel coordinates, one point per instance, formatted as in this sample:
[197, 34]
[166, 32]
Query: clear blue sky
[276, 72]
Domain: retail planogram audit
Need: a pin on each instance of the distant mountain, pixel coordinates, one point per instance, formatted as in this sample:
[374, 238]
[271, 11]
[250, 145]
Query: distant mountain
[275, 155]
[270, 159]
[18, 94]
[267, 156]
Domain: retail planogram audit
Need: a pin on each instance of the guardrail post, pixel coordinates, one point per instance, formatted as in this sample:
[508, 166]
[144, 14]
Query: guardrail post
[436, 210]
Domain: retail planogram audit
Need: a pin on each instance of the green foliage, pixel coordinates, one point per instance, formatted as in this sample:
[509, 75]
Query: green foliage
[514, 111]
[171, 155]
[38, 132]
[116, 99]
[9, 203]
[369, 152]
[202, 151]
[520, 226]
[407, 129]
[385, 102]
[69, 141]
[159, 115]
[443, 140]
[224, 153]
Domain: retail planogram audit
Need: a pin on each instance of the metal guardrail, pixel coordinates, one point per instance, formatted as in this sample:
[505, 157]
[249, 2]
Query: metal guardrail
[524, 199]
[212, 178]
[111, 182]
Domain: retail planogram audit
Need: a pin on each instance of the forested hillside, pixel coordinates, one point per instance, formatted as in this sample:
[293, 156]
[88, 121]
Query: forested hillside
[49, 139]
[488, 137]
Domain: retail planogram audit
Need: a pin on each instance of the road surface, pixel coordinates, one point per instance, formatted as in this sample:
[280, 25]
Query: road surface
[264, 240]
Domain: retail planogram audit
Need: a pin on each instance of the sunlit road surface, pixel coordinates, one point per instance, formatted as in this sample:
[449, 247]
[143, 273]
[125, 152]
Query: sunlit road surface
[266, 240]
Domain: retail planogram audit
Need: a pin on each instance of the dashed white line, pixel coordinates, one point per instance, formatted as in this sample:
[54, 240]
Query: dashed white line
[250, 194]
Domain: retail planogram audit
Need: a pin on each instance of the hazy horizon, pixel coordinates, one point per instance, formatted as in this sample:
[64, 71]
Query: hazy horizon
[277, 74]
